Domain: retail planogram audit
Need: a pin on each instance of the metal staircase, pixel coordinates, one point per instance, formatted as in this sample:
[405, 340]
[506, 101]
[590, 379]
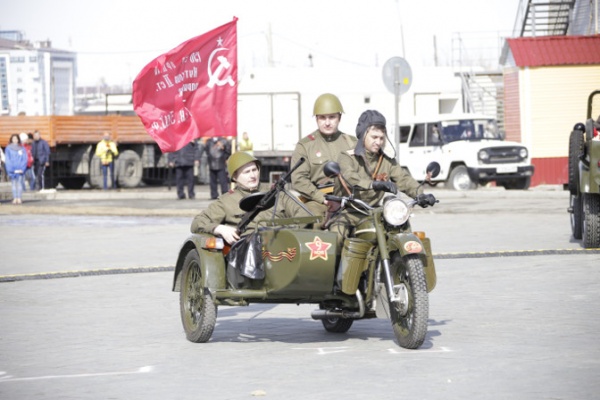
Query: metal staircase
[483, 91]
[543, 18]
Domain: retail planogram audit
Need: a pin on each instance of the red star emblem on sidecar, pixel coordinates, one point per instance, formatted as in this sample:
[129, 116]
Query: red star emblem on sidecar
[318, 248]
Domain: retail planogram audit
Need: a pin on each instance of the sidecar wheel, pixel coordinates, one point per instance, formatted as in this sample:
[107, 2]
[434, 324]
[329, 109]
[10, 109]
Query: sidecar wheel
[337, 325]
[410, 323]
[198, 310]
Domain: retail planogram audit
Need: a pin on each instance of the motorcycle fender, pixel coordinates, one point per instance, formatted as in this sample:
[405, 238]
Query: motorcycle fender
[212, 263]
[409, 243]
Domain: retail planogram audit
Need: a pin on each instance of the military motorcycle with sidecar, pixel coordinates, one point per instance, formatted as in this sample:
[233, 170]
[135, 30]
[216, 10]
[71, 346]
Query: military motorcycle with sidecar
[386, 272]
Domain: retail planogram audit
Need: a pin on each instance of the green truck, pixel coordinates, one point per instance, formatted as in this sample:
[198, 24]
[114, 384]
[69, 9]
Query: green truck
[584, 176]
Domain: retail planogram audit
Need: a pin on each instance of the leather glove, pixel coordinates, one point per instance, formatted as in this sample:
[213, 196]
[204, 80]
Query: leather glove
[386, 186]
[425, 200]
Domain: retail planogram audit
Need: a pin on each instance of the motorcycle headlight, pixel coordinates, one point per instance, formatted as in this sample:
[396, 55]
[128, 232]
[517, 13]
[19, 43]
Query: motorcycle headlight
[395, 212]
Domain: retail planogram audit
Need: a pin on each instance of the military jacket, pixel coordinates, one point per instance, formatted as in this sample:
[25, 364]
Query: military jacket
[317, 149]
[356, 174]
[226, 210]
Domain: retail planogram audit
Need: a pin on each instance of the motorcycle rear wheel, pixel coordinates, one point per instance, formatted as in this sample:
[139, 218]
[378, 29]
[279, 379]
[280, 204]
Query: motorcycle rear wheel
[337, 325]
[410, 327]
[198, 310]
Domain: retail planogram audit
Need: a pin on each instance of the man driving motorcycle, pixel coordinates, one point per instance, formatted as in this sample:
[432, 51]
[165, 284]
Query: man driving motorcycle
[373, 172]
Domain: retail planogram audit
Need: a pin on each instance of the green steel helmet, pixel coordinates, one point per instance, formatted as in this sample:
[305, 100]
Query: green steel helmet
[238, 160]
[327, 103]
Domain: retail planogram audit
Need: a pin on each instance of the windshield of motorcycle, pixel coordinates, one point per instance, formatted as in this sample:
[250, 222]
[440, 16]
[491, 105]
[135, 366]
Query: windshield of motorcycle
[470, 130]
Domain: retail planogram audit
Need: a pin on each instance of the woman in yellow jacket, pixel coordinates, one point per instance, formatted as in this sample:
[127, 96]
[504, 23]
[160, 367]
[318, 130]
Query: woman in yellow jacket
[106, 150]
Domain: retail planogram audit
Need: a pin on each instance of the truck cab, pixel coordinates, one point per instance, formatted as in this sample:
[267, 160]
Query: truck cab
[470, 149]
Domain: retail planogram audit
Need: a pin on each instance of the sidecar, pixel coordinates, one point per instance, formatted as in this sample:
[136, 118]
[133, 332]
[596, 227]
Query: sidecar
[299, 267]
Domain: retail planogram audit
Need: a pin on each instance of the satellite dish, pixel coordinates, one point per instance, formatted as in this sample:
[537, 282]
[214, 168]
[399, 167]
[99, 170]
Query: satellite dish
[397, 75]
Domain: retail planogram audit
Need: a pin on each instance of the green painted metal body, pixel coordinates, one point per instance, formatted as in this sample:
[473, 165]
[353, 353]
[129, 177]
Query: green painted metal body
[589, 177]
[299, 267]
[401, 241]
[300, 264]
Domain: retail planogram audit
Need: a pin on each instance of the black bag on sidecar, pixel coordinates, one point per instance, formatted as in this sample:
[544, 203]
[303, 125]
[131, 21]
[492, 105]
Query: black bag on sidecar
[245, 259]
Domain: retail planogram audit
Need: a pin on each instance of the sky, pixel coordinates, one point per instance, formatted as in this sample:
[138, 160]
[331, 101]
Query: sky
[114, 39]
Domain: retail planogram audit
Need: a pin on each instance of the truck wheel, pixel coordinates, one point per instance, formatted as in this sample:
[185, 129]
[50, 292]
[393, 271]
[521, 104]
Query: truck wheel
[73, 182]
[409, 320]
[591, 220]
[517, 184]
[129, 169]
[575, 149]
[459, 179]
[198, 310]
[576, 211]
[95, 176]
[337, 325]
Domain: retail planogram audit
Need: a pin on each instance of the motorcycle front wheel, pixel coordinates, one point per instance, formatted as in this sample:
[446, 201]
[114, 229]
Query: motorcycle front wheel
[198, 310]
[409, 318]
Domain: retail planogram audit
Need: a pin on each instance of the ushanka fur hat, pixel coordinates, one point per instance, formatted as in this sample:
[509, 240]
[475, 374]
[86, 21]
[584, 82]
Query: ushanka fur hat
[366, 120]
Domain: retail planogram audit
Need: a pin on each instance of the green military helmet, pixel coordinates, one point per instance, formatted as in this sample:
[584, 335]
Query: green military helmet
[327, 103]
[238, 160]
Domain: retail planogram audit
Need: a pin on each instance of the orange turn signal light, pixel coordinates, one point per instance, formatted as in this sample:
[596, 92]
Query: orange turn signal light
[214, 243]
[421, 235]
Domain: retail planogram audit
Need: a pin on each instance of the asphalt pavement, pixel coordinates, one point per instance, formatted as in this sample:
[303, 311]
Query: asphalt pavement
[163, 201]
[513, 314]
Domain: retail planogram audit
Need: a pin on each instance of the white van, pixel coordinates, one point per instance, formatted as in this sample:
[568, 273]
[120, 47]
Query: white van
[469, 148]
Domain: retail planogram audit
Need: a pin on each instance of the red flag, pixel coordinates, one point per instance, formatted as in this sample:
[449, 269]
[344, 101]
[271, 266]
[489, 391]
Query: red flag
[190, 91]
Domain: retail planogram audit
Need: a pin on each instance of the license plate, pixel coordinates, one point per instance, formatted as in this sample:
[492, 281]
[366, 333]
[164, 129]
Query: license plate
[506, 169]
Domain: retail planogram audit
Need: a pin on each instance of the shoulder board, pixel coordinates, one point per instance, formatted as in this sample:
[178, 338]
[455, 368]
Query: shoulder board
[388, 158]
[350, 152]
[311, 137]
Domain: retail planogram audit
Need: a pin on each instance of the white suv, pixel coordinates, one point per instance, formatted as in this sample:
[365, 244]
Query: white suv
[469, 149]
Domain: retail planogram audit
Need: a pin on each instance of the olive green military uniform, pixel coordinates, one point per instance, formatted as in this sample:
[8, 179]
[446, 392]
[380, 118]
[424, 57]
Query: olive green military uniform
[317, 149]
[226, 210]
[355, 174]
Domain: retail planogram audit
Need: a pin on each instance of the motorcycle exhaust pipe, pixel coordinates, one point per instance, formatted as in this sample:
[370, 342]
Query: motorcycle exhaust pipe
[326, 314]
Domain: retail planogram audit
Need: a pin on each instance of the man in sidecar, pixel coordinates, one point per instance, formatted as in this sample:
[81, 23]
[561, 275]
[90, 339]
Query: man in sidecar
[223, 215]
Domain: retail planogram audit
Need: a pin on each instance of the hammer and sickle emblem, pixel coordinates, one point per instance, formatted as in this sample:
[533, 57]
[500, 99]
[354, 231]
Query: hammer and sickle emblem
[224, 64]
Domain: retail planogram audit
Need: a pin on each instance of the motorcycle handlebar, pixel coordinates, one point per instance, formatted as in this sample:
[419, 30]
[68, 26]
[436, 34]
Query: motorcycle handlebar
[330, 197]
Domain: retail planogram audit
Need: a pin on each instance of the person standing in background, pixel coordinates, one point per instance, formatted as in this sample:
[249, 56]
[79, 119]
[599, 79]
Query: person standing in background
[246, 144]
[16, 164]
[106, 150]
[29, 176]
[41, 159]
[184, 160]
[218, 150]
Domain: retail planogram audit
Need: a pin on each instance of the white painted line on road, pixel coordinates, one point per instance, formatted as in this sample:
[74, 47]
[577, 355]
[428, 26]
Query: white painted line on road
[9, 378]
[323, 350]
[442, 349]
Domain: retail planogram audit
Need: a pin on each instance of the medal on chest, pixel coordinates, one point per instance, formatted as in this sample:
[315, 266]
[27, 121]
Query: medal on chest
[318, 153]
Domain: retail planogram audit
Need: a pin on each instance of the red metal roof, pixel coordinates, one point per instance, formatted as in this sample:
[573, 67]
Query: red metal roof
[555, 50]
